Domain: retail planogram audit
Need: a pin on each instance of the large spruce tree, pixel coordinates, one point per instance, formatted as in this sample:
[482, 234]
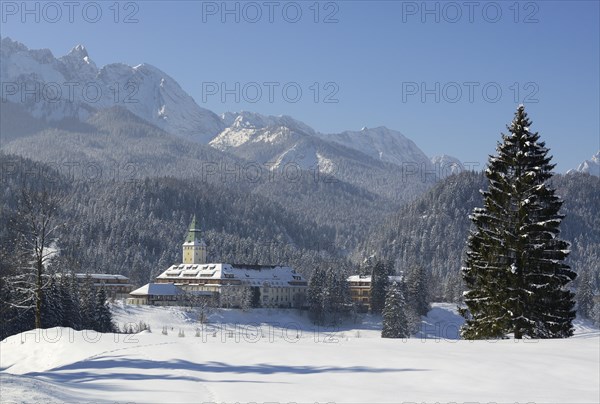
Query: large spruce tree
[379, 283]
[514, 268]
[417, 286]
[316, 295]
[102, 320]
[395, 323]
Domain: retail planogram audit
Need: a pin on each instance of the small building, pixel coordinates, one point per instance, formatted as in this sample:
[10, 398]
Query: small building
[159, 294]
[360, 289]
[115, 286]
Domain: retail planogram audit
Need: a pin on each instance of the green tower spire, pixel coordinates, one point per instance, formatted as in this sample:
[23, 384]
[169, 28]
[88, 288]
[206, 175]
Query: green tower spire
[194, 248]
[194, 232]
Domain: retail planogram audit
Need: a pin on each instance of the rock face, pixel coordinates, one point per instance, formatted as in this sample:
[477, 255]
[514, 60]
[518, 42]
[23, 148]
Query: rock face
[72, 86]
[591, 166]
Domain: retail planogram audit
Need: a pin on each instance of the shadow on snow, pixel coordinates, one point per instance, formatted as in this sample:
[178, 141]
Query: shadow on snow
[86, 371]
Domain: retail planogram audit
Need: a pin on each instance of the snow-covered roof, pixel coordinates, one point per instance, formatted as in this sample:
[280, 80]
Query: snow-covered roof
[252, 275]
[157, 289]
[102, 276]
[195, 243]
[359, 278]
[367, 278]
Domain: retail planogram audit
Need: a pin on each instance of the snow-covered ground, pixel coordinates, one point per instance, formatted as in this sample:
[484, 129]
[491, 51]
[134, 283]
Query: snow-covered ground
[278, 356]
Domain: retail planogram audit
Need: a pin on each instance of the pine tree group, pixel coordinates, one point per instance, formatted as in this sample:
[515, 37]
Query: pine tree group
[328, 296]
[395, 323]
[67, 302]
[514, 270]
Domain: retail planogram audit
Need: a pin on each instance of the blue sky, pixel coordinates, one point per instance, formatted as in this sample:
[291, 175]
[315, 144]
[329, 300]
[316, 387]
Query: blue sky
[384, 62]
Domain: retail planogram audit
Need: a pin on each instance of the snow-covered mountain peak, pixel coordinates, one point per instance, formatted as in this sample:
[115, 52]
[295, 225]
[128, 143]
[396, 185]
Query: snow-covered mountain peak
[149, 69]
[244, 127]
[10, 47]
[591, 166]
[253, 120]
[243, 131]
[79, 51]
[144, 90]
[382, 144]
[250, 120]
[77, 64]
[7, 45]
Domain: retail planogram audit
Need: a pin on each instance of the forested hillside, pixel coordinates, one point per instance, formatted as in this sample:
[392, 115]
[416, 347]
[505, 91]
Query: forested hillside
[136, 228]
[115, 146]
[432, 231]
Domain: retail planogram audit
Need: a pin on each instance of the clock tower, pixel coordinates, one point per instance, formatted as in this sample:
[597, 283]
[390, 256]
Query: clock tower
[194, 248]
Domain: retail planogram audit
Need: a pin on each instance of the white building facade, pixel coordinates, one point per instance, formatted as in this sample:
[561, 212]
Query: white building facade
[231, 284]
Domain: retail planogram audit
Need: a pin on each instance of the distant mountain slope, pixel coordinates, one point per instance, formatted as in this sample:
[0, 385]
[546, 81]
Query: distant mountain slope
[382, 144]
[114, 145]
[116, 139]
[446, 165]
[379, 160]
[350, 210]
[82, 88]
[282, 143]
[253, 120]
[16, 122]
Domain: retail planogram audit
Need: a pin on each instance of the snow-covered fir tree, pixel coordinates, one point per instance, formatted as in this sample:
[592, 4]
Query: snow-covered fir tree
[514, 270]
[316, 296]
[255, 297]
[338, 294]
[246, 298]
[102, 316]
[417, 289]
[379, 284]
[87, 303]
[585, 296]
[395, 323]
[328, 296]
[52, 305]
[595, 317]
[70, 302]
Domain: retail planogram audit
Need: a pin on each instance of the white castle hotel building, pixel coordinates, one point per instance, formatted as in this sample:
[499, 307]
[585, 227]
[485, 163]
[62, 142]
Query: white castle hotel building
[276, 286]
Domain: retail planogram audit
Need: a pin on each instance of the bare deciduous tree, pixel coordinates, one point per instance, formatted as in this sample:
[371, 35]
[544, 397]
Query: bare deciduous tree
[35, 228]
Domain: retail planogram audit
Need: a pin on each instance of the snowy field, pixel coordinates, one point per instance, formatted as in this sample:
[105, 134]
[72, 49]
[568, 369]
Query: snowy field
[278, 356]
